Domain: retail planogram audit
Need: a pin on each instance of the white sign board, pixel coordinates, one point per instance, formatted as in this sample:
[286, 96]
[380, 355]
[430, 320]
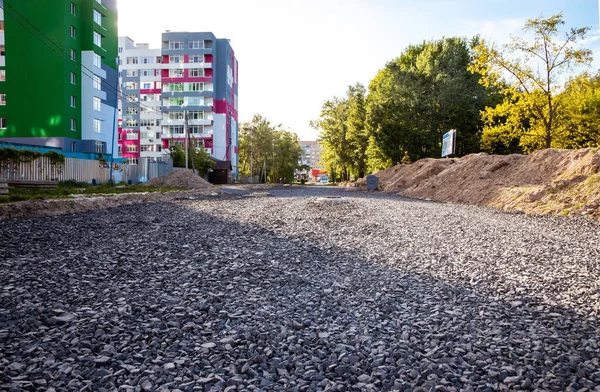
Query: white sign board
[449, 143]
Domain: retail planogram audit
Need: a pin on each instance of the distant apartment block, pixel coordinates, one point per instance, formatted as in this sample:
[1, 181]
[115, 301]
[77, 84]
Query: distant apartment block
[311, 154]
[192, 79]
[58, 74]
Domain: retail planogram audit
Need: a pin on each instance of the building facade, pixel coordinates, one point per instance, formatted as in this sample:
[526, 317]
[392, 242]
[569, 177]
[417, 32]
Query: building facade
[58, 74]
[311, 154]
[192, 80]
[140, 116]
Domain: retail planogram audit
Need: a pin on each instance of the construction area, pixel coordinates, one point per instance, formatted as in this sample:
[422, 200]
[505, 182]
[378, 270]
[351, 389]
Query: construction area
[313, 288]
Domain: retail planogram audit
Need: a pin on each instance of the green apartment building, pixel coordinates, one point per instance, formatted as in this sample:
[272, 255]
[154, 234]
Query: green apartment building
[58, 73]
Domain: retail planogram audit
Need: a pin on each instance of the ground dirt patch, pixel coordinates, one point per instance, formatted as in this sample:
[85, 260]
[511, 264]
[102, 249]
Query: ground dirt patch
[185, 179]
[547, 181]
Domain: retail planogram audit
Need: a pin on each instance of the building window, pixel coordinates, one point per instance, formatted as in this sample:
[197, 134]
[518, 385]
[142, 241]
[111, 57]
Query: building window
[196, 72]
[132, 136]
[196, 87]
[159, 59]
[73, 146]
[158, 85]
[196, 115]
[175, 129]
[73, 55]
[176, 115]
[147, 60]
[176, 101]
[132, 161]
[97, 39]
[197, 58]
[132, 98]
[97, 104]
[97, 60]
[148, 97]
[196, 44]
[97, 126]
[174, 87]
[73, 9]
[130, 73]
[120, 49]
[73, 124]
[98, 17]
[147, 86]
[196, 129]
[146, 72]
[97, 82]
[195, 101]
[131, 86]
[176, 73]
[132, 148]
[73, 35]
[131, 60]
[73, 78]
[2, 75]
[177, 59]
[175, 45]
[131, 122]
[132, 110]
[73, 101]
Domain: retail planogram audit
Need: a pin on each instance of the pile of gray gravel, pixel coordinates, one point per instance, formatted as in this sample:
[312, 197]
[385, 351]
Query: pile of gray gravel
[289, 293]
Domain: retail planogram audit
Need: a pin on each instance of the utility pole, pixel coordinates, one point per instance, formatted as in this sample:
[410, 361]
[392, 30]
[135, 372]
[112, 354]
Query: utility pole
[185, 135]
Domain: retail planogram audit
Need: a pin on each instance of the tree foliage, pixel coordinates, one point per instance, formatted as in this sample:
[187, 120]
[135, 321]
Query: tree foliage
[197, 158]
[534, 70]
[268, 151]
[423, 94]
[343, 134]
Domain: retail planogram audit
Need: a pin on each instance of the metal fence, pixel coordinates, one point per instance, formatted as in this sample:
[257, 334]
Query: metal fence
[84, 170]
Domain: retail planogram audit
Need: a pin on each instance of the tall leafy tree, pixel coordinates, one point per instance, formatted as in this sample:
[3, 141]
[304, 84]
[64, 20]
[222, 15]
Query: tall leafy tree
[423, 94]
[343, 134]
[535, 66]
[579, 124]
[267, 150]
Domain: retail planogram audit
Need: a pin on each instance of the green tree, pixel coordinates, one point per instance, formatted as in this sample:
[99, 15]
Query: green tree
[423, 94]
[336, 151]
[268, 151]
[579, 125]
[197, 158]
[536, 66]
[343, 134]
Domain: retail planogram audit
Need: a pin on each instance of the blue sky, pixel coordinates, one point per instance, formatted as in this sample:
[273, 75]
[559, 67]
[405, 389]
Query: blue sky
[294, 55]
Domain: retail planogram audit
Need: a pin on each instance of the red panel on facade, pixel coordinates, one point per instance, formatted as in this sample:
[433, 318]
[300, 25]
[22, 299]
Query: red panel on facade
[150, 91]
[208, 58]
[208, 72]
[165, 59]
[186, 58]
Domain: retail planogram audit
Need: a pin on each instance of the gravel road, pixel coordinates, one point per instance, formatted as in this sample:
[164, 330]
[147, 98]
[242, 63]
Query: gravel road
[286, 292]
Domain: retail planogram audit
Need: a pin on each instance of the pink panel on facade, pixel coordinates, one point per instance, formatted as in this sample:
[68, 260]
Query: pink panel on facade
[208, 58]
[150, 91]
[165, 59]
[220, 106]
[208, 72]
[165, 73]
[186, 58]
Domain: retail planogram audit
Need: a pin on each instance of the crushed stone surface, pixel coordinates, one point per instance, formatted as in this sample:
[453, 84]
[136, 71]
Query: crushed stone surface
[286, 293]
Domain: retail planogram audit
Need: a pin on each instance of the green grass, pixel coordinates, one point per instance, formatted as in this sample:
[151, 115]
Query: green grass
[67, 188]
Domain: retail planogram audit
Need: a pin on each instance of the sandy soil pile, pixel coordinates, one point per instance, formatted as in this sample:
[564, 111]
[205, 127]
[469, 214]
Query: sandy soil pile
[547, 181]
[185, 179]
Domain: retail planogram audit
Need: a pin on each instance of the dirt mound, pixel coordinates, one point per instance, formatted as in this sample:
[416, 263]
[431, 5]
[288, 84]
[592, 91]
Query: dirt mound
[185, 179]
[547, 181]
